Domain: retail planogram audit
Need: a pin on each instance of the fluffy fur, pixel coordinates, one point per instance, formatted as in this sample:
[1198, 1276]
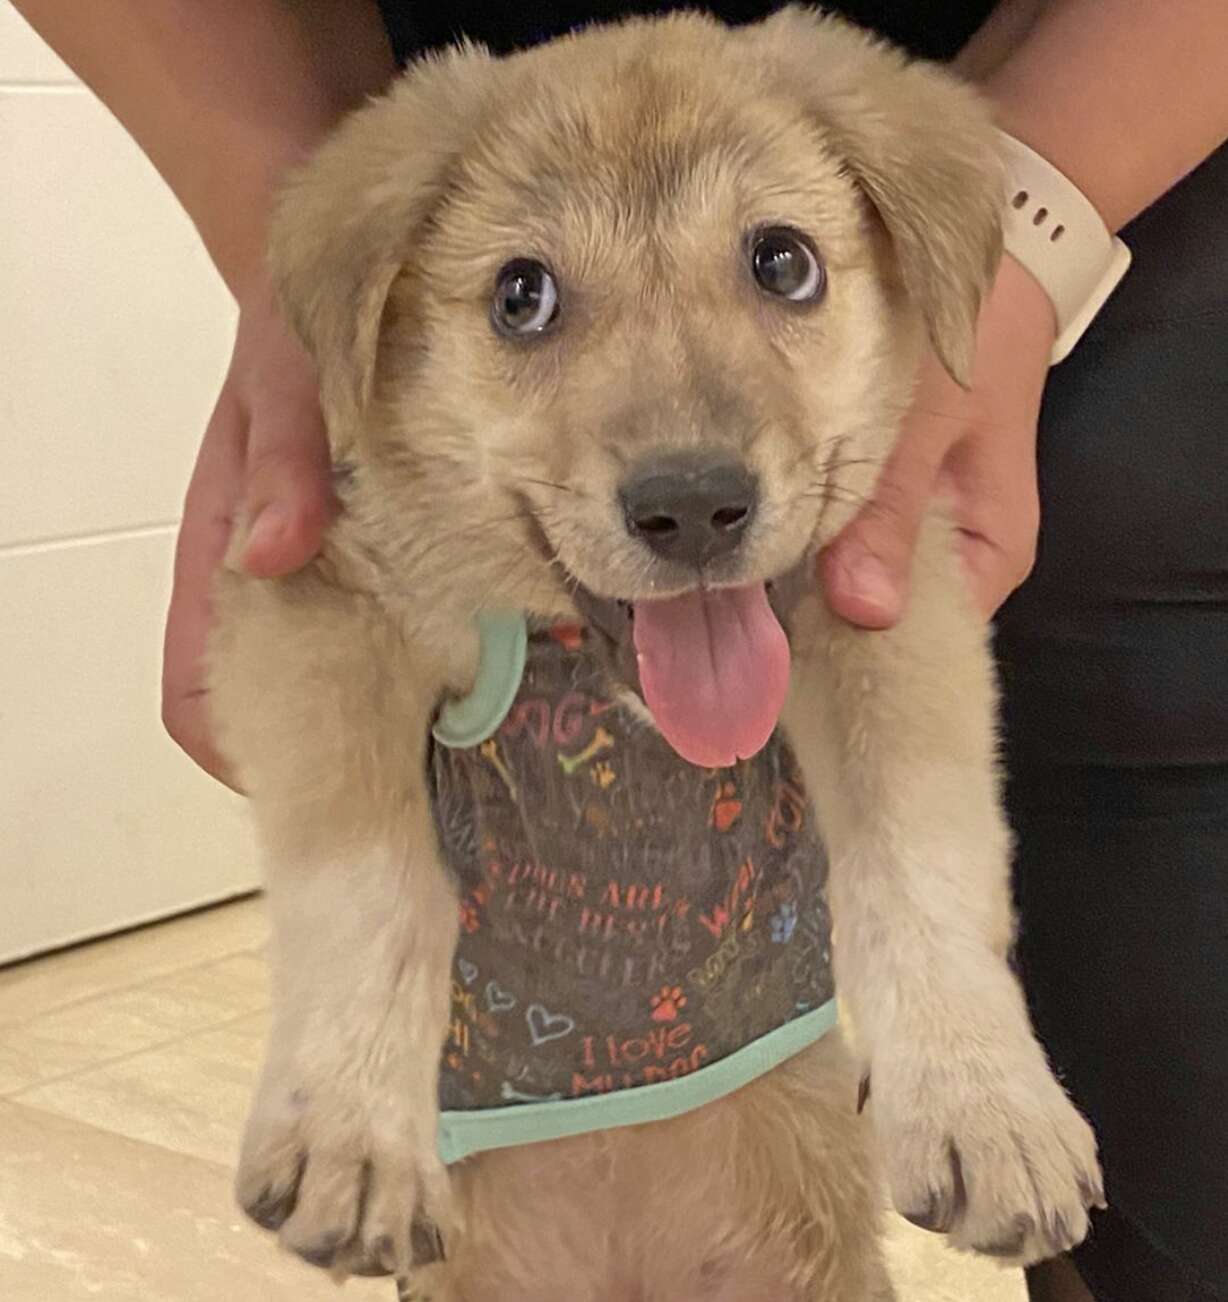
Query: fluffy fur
[634, 160]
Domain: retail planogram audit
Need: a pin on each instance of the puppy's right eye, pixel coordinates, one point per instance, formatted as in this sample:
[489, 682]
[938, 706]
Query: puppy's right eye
[526, 299]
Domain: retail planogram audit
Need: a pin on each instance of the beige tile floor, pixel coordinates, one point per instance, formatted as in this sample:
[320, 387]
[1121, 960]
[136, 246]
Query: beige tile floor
[124, 1073]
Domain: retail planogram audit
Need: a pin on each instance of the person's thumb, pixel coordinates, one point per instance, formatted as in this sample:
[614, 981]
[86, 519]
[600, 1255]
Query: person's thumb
[866, 568]
[288, 493]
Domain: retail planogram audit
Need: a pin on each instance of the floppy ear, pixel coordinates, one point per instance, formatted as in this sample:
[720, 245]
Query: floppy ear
[345, 223]
[921, 146]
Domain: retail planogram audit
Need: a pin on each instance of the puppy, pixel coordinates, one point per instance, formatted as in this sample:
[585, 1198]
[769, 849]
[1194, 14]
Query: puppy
[620, 329]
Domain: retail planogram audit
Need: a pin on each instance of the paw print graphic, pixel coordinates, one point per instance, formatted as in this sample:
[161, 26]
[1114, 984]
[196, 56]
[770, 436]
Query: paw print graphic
[668, 1004]
[603, 775]
[784, 923]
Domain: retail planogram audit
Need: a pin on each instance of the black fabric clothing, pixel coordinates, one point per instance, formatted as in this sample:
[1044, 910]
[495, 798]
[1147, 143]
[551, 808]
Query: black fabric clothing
[1115, 669]
[1114, 659]
[936, 29]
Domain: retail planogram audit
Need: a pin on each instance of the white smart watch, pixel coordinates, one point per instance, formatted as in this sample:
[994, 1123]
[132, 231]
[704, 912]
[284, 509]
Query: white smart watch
[1053, 230]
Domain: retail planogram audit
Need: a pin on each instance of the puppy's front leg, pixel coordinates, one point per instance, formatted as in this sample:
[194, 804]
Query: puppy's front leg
[339, 1152]
[895, 732]
[326, 717]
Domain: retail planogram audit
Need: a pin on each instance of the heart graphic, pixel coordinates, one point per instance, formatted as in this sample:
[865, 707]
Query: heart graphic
[498, 1000]
[468, 971]
[545, 1026]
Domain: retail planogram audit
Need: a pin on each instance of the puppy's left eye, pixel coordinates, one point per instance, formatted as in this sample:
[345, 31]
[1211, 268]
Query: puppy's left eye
[785, 264]
[526, 299]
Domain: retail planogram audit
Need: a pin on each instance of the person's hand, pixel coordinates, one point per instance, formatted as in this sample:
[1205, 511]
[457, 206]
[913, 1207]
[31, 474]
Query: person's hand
[265, 453]
[978, 447]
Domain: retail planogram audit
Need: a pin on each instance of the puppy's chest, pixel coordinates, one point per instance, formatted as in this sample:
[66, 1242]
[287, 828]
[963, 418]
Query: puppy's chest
[626, 918]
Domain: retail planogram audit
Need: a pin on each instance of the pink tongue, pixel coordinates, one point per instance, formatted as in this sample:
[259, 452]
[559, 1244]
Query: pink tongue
[714, 669]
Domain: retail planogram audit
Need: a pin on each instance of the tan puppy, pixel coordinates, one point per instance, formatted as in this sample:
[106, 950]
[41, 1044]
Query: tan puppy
[636, 169]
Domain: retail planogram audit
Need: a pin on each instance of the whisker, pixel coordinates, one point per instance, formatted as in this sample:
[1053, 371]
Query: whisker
[550, 483]
[471, 533]
[503, 579]
[845, 463]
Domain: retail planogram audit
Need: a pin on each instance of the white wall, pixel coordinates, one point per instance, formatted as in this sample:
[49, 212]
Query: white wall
[114, 333]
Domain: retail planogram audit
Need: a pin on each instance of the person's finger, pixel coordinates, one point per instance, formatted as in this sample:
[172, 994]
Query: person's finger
[986, 568]
[287, 493]
[990, 478]
[865, 570]
[201, 545]
[187, 720]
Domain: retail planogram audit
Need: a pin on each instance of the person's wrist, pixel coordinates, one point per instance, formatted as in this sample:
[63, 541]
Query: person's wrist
[349, 59]
[1041, 121]
[235, 209]
[1018, 316]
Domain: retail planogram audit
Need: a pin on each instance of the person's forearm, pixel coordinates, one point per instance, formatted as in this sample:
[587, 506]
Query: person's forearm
[222, 95]
[1124, 96]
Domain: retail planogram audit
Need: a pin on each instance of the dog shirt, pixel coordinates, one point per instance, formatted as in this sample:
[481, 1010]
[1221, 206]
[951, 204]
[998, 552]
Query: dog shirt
[638, 936]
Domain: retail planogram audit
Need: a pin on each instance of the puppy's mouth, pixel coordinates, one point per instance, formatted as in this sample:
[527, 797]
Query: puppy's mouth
[711, 664]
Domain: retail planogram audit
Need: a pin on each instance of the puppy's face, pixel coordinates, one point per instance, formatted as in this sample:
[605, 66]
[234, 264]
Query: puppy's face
[651, 317]
[638, 314]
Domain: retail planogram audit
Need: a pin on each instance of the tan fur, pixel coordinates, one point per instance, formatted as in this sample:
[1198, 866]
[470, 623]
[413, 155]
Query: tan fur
[648, 1213]
[480, 472]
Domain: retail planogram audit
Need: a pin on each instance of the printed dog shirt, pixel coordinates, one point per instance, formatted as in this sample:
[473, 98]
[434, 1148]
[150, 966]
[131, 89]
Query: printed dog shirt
[630, 924]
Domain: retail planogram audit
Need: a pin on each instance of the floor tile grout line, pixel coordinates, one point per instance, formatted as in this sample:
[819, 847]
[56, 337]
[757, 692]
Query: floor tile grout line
[17, 1096]
[116, 1134]
[249, 951]
[212, 913]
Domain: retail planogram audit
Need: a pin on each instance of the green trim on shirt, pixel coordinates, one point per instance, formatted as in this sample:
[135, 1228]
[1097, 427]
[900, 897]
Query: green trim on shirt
[461, 1134]
[502, 646]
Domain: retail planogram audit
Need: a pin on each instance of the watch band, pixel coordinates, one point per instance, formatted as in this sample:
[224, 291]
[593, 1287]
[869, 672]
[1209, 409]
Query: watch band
[1052, 229]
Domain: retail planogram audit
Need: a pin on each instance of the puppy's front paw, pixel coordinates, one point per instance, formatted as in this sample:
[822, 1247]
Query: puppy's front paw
[352, 1182]
[982, 1144]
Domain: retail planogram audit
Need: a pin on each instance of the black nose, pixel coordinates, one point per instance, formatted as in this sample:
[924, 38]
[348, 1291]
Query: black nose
[690, 507]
